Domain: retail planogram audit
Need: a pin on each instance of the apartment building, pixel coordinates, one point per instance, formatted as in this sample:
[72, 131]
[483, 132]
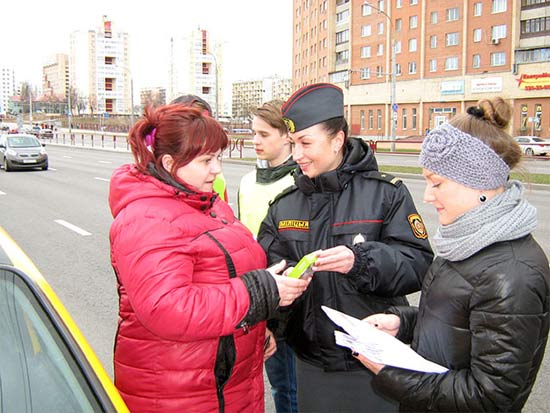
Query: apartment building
[99, 66]
[248, 95]
[55, 76]
[196, 67]
[154, 96]
[7, 87]
[409, 65]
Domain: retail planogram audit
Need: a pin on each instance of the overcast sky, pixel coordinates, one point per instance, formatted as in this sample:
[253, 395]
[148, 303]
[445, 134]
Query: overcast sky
[257, 34]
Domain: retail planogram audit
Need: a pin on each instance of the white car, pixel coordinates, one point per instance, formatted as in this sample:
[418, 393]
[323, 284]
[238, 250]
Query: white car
[533, 145]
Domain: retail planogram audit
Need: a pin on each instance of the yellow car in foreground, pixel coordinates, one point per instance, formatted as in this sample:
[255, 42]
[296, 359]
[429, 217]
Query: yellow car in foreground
[46, 365]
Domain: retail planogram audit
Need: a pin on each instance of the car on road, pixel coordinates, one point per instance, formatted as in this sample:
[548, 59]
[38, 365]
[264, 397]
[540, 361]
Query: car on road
[46, 364]
[533, 145]
[22, 151]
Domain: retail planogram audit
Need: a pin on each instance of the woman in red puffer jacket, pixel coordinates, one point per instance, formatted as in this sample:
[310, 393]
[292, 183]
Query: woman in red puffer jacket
[193, 293]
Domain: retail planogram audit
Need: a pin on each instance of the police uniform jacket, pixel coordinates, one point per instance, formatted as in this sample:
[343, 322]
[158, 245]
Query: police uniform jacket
[374, 215]
[486, 319]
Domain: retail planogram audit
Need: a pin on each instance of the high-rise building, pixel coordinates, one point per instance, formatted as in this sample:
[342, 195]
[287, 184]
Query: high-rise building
[196, 67]
[55, 76]
[100, 69]
[250, 94]
[7, 87]
[409, 65]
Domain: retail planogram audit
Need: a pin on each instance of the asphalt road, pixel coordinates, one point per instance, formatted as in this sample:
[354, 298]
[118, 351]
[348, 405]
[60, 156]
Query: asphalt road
[37, 206]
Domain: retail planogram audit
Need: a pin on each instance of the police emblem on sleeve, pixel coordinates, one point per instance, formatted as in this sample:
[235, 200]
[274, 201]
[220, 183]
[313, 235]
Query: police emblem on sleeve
[290, 125]
[417, 226]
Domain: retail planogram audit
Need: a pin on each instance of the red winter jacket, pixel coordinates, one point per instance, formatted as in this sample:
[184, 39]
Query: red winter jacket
[179, 308]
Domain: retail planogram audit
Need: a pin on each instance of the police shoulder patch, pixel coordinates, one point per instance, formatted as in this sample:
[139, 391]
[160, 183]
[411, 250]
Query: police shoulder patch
[382, 176]
[417, 226]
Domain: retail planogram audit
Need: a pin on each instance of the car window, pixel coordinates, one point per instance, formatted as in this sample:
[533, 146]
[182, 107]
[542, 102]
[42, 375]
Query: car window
[37, 372]
[538, 140]
[23, 142]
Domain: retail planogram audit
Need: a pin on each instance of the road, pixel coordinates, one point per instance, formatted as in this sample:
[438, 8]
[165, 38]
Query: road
[35, 206]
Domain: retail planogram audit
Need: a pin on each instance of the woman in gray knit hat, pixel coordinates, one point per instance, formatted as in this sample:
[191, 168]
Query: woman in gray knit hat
[484, 309]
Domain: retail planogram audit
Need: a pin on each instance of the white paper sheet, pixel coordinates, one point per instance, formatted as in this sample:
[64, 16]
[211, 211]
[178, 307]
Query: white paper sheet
[377, 345]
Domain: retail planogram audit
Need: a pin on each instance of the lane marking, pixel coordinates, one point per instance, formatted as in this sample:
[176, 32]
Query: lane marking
[101, 179]
[67, 157]
[72, 227]
[52, 169]
[109, 162]
[2, 193]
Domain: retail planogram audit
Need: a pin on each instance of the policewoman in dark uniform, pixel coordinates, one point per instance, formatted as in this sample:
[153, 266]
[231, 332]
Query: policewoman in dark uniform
[371, 244]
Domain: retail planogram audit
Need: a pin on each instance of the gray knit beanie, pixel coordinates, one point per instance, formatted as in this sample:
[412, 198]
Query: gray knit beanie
[463, 158]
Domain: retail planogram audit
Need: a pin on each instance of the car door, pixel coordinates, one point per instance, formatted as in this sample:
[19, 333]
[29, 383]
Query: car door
[45, 363]
[2, 148]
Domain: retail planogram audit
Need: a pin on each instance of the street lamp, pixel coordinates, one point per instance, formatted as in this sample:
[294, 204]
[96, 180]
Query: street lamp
[393, 63]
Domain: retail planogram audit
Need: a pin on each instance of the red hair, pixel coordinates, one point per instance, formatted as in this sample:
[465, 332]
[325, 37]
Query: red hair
[179, 131]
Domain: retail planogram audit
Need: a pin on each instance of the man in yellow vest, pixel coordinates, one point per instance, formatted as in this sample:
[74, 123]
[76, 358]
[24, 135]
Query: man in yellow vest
[256, 190]
[197, 102]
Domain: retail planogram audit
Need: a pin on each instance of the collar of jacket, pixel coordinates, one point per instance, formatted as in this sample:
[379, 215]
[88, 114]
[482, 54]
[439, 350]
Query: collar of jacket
[197, 199]
[268, 175]
[358, 157]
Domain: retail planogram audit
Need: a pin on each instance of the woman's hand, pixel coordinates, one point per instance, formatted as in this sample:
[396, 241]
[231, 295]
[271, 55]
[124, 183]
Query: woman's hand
[388, 323]
[289, 288]
[371, 365]
[270, 345]
[339, 259]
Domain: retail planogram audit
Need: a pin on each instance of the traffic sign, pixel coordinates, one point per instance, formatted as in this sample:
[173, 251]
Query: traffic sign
[394, 107]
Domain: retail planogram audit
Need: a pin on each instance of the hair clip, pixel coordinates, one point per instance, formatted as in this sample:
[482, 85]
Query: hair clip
[150, 138]
[475, 111]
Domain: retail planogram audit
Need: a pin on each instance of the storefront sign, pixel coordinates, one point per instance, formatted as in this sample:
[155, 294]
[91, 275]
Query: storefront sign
[489, 84]
[452, 87]
[539, 81]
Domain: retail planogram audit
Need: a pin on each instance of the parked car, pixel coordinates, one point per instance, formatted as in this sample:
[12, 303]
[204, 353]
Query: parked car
[46, 365]
[22, 151]
[36, 130]
[533, 145]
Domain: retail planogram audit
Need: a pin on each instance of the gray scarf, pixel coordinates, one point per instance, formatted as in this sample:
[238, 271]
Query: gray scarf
[504, 217]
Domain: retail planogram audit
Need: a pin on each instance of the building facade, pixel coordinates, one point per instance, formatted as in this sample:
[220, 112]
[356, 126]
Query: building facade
[7, 88]
[250, 94]
[100, 70]
[409, 65]
[154, 96]
[196, 67]
[55, 77]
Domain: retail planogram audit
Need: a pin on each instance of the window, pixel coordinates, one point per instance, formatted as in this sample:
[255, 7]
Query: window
[498, 59]
[342, 57]
[398, 69]
[342, 37]
[380, 28]
[499, 6]
[366, 10]
[412, 68]
[342, 17]
[535, 27]
[498, 32]
[451, 39]
[380, 49]
[366, 30]
[433, 17]
[398, 24]
[397, 46]
[433, 42]
[412, 45]
[413, 126]
[451, 63]
[476, 61]
[371, 119]
[379, 118]
[362, 117]
[477, 9]
[379, 71]
[398, 4]
[404, 118]
[453, 14]
[365, 73]
[381, 5]
[477, 35]
[413, 2]
[433, 65]
[413, 22]
[365, 52]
